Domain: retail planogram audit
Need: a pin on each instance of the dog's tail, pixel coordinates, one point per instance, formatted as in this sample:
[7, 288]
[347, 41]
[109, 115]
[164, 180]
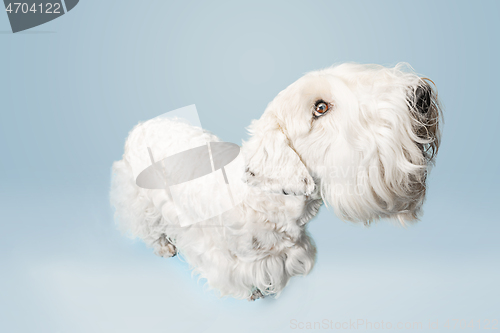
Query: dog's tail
[133, 209]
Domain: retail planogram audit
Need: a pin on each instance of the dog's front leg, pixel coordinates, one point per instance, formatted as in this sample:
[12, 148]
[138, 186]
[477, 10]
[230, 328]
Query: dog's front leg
[301, 257]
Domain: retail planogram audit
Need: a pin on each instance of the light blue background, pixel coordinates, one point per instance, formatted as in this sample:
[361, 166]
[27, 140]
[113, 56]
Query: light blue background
[72, 89]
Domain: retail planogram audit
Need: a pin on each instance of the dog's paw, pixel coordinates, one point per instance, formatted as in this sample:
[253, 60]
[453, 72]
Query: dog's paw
[164, 248]
[302, 184]
[256, 294]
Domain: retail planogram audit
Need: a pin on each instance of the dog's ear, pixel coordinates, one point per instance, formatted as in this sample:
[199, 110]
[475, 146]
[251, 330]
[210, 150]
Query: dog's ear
[271, 162]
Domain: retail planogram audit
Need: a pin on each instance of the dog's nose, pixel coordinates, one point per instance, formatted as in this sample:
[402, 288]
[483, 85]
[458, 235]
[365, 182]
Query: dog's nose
[423, 98]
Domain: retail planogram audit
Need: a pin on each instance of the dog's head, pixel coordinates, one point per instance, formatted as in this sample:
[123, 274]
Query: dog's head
[363, 135]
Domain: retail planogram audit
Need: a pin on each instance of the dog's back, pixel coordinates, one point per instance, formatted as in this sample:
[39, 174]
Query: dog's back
[138, 210]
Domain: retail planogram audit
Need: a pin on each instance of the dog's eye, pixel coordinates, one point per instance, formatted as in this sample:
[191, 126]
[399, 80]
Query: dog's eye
[320, 108]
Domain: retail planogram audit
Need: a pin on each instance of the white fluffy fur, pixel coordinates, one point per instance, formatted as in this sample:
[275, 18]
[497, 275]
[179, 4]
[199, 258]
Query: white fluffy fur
[368, 158]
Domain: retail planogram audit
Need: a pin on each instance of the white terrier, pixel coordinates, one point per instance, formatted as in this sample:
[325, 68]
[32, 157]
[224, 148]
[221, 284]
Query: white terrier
[359, 137]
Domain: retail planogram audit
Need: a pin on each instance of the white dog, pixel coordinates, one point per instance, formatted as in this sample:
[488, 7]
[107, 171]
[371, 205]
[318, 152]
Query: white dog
[360, 138]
